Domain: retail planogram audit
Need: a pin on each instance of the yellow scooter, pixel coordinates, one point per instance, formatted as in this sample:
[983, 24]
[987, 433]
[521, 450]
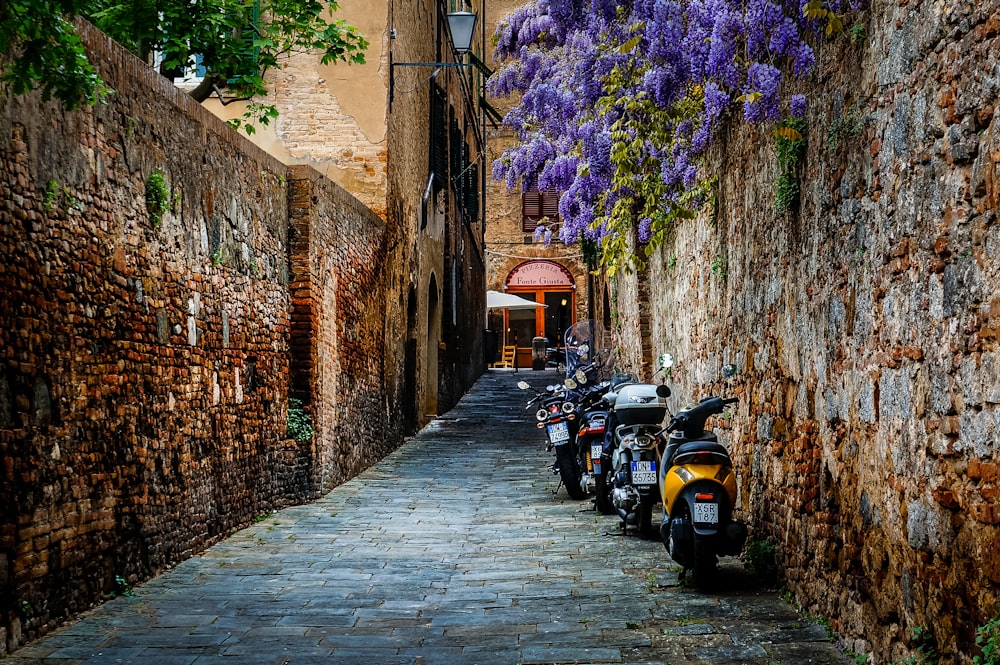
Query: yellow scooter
[698, 490]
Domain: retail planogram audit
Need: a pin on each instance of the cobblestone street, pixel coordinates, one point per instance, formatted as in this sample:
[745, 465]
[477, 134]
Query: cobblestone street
[454, 549]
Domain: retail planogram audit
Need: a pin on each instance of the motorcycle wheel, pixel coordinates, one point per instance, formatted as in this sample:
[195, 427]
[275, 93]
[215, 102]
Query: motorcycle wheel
[602, 494]
[569, 471]
[703, 570]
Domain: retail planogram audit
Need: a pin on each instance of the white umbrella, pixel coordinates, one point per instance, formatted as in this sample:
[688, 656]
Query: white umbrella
[498, 300]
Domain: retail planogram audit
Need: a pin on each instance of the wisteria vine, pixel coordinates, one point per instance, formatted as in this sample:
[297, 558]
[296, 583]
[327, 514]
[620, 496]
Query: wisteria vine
[620, 99]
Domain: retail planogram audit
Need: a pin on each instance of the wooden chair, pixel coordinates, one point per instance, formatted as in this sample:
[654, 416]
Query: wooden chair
[507, 357]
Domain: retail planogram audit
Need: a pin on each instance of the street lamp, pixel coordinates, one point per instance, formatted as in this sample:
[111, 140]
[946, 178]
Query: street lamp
[462, 26]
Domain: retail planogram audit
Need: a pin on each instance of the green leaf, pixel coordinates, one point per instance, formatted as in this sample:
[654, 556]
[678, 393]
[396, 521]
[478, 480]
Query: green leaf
[789, 133]
[630, 44]
[834, 25]
[814, 10]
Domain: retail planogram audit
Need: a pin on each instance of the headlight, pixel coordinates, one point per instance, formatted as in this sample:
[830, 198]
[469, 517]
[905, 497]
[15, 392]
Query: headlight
[568, 407]
[644, 441]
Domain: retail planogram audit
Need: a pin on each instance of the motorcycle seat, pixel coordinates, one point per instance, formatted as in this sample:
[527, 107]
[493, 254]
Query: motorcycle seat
[687, 452]
[702, 447]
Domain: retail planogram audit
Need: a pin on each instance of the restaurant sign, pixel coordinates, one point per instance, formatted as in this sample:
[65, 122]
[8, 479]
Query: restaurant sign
[540, 274]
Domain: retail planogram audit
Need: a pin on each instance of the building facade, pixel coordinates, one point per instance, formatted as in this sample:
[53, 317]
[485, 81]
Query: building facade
[404, 134]
[518, 258]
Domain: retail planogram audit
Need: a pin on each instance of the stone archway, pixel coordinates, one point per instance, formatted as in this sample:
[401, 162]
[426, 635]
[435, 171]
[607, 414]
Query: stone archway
[546, 282]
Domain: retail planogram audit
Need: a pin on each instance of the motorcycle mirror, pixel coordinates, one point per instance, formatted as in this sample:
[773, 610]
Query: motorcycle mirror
[663, 390]
[570, 383]
[581, 376]
[666, 361]
[523, 385]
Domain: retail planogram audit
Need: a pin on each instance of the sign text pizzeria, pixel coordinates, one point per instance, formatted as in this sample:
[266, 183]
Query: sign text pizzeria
[540, 273]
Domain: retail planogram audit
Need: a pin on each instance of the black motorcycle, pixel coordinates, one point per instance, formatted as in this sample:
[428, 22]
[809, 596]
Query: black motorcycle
[555, 413]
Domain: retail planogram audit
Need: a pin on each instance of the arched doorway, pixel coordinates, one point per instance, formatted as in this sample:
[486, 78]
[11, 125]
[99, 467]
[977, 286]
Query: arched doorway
[410, 400]
[433, 339]
[546, 282]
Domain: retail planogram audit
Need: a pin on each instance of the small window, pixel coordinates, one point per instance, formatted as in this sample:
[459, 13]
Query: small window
[537, 205]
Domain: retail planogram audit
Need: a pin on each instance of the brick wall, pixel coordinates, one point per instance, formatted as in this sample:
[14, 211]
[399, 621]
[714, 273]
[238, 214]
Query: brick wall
[863, 329]
[337, 261]
[144, 367]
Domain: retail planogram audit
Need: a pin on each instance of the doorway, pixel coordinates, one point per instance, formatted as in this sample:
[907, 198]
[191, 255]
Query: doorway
[433, 339]
[551, 284]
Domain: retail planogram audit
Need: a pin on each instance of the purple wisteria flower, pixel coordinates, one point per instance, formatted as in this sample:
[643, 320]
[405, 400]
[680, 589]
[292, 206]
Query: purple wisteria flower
[577, 66]
[798, 105]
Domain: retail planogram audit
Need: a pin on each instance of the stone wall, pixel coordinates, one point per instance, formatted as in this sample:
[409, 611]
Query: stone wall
[145, 366]
[864, 330]
[433, 334]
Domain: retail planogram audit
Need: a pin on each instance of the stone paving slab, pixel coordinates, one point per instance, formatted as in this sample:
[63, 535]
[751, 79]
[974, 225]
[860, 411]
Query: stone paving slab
[457, 548]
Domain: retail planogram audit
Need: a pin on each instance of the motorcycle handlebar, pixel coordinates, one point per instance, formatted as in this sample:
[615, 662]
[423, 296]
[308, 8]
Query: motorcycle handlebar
[692, 420]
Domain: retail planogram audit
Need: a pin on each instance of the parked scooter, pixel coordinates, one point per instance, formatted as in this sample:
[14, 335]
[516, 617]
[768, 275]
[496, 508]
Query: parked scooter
[592, 416]
[556, 414]
[698, 491]
[555, 357]
[572, 414]
[602, 450]
[633, 445]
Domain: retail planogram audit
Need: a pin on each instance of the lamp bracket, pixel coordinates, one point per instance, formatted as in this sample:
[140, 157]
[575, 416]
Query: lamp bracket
[393, 65]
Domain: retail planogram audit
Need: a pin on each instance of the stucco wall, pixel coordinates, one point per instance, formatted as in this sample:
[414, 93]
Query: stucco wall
[332, 117]
[864, 330]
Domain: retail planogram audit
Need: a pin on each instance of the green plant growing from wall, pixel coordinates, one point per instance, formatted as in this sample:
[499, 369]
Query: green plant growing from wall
[790, 146]
[158, 199]
[122, 587]
[720, 267]
[843, 128]
[923, 640]
[759, 557]
[858, 33]
[988, 641]
[52, 189]
[299, 423]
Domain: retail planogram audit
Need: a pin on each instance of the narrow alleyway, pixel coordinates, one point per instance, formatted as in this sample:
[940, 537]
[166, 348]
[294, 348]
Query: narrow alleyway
[452, 550]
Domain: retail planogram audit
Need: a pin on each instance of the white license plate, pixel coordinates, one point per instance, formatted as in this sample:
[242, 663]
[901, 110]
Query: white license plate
[595, 451]
[644, 473]
[706, 513]
[558, 432]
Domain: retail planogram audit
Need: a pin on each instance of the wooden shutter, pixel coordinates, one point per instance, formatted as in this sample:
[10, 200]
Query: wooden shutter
[531, 210]
[472, 193]
[550, 206]
[439, 136]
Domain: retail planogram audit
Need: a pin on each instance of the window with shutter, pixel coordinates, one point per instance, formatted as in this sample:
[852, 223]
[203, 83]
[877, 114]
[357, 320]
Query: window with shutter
[536, 205]
[439, 136]
[531, 210]
[472, 193]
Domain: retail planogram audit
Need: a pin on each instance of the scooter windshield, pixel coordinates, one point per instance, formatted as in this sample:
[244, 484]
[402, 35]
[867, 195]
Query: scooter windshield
[588, 347]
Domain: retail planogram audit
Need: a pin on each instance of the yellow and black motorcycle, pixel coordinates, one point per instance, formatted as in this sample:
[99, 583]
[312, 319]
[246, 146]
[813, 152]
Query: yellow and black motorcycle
[698, 490]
